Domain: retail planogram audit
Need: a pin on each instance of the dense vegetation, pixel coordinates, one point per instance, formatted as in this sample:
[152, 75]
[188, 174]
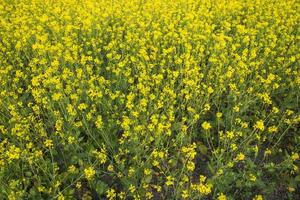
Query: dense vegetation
[149, 99]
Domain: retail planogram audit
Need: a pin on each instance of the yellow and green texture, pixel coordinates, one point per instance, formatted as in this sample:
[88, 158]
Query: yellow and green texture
[149, 99]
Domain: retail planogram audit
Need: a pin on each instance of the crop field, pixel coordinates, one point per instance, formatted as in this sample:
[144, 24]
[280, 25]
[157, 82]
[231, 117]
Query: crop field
[150, 99]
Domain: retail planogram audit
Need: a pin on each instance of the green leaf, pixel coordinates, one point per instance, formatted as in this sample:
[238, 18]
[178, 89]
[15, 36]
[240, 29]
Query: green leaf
[148, 178]
[101, 187]
[202, 149]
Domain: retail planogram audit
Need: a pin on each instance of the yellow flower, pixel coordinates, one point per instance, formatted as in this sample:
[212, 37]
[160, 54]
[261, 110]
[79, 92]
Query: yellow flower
[101, 155]
[60, 197]
[71, 169]
[206, 125]
[121, 195]
[259, 125]
[190, 166]
[41, 188]
[132, 188]
[111, 194]
[147, 172]
[56, 96]
[48, 143]
[185, 194]
[206, 107]
[82, 106]
[78, 185]
[110, 168]
[189, 152]
[13, 153]
[89, 173]
[71, 110]
[170, 180]
[204, 189]
[275, 110]
[291, 189]
[295, 156]
[252, 177]
[230, 134]
[202, 178]
[210, 90]
[272, 129]
[240, 157]
[258, 197]
[222, 196]
[99, 122]
[236, 108]
[268, 152]
[71, 139]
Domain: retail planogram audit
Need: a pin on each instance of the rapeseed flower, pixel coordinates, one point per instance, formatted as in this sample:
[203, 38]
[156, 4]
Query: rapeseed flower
[259, 125]
[89, 173]
[206, 125]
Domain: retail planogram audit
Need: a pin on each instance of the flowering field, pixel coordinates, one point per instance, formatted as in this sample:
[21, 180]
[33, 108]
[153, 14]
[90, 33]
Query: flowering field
[149, 99]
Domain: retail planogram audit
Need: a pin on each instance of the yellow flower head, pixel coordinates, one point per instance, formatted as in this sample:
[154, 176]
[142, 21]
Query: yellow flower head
[258, 197]
[89, 173]
[222, 196]
[240, 157]
[259, 125]
[206, 125]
